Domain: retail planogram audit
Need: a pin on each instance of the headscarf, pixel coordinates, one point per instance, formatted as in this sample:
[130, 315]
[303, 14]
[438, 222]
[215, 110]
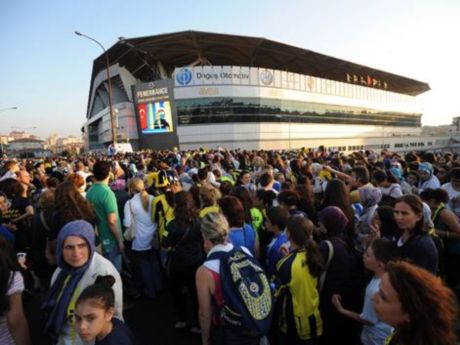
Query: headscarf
[334, 220]
[369, 196]
[426, 167]
[118, 184]
[60, 294]
[397, 173]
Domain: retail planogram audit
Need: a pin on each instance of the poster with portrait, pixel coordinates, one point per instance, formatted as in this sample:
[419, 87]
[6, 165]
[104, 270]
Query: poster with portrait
[155, 117]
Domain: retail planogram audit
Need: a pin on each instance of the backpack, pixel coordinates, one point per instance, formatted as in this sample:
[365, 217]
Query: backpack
[248, 301]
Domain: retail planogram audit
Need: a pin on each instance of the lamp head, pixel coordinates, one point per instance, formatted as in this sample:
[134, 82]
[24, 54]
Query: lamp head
[78, 33]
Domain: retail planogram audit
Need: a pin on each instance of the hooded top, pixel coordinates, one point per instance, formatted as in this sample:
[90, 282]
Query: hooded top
[60, 294]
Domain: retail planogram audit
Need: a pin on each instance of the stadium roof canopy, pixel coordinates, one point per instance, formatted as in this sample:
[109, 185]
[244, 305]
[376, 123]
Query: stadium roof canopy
[141, 55]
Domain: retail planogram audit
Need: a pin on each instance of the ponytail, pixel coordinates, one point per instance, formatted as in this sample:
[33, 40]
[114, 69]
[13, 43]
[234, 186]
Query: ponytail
[315, 260]
[145, 200]
[300, 231]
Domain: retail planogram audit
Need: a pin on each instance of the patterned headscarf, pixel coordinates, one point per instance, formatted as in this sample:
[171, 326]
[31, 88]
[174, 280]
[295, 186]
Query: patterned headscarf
[426, 167]
[369, 196]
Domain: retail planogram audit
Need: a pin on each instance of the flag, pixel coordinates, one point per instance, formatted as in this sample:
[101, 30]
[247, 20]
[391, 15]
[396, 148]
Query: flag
[141, 109]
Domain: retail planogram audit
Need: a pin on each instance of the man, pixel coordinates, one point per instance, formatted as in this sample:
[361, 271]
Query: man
[108, 221]
[358, 179]
[80, 169]
[24, 178]
[453, 189]
[11, 167]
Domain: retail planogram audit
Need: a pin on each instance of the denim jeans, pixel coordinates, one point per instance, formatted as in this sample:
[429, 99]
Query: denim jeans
[149, 264]
[114, 256]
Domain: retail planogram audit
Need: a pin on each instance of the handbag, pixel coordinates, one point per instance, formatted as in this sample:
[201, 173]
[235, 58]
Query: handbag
[130, 233]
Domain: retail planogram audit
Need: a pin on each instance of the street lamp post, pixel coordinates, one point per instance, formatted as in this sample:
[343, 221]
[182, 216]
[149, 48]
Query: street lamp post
[112, 117]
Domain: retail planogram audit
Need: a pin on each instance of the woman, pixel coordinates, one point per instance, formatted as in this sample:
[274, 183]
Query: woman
[245, 180]
[447, 226]
[417, 304]
[183, 238]
[343, 277]
[252, 214]
[79, 183]
[6, 229]
[369, 198]
[209, 196]
[299, 319]
[44, 264]
[20, 213]
[241, 233]
[384, 223]
[69, 206]
[415, 243]
[78, 267]
[214, 330]
[306, 202]
[118, 188]
[137, 211]
[337, 194]
[14, 329]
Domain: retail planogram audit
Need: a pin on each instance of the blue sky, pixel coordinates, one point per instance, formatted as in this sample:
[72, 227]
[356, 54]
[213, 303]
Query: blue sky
[45, 68]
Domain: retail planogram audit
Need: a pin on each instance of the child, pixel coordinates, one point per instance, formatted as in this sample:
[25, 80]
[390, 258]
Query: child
[276, 222]
[94, 315]
[375, 258]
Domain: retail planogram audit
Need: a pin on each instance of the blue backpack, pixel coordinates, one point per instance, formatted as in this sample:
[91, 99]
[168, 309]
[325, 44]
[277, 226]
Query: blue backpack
[246, 291]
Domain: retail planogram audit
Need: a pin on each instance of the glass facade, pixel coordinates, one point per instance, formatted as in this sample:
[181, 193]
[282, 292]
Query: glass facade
[228, 109]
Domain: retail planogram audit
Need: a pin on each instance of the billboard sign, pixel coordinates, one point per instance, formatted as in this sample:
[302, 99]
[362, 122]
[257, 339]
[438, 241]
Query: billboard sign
[156, 114]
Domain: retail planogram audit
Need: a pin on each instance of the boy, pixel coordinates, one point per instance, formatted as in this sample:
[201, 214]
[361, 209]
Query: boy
[375, 258]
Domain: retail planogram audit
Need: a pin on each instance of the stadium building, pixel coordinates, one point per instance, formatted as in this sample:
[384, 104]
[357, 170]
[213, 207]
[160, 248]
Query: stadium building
[196, 89]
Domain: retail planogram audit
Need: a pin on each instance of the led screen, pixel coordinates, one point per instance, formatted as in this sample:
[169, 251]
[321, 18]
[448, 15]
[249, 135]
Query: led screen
[155, 117]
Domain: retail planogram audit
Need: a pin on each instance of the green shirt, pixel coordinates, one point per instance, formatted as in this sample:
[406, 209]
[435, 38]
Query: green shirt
[104, 202]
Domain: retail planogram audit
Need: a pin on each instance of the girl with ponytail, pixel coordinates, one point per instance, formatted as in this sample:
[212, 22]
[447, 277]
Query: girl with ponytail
[298, 318]
[94, 311]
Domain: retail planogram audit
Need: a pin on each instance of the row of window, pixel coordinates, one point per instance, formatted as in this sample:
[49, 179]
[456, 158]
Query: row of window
[271, 106]
[221, 110]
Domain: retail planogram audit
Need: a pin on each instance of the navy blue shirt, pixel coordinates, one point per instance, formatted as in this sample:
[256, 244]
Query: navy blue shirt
[120, 335]
[421, 251]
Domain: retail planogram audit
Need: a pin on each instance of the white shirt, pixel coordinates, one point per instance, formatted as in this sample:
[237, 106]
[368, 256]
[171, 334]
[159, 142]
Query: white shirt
[85, 176]
[454, 198]
[432, 183]
[394, 191]
[145, 228]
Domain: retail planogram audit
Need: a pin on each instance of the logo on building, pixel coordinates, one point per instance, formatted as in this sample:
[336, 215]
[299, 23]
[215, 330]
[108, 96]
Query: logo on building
[266, 77]
[184, 76]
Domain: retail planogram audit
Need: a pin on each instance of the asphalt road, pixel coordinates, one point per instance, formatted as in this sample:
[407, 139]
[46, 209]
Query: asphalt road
[152, 322]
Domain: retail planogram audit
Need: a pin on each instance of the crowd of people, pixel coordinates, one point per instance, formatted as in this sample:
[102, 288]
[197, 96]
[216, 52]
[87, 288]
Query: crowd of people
[255, 247]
